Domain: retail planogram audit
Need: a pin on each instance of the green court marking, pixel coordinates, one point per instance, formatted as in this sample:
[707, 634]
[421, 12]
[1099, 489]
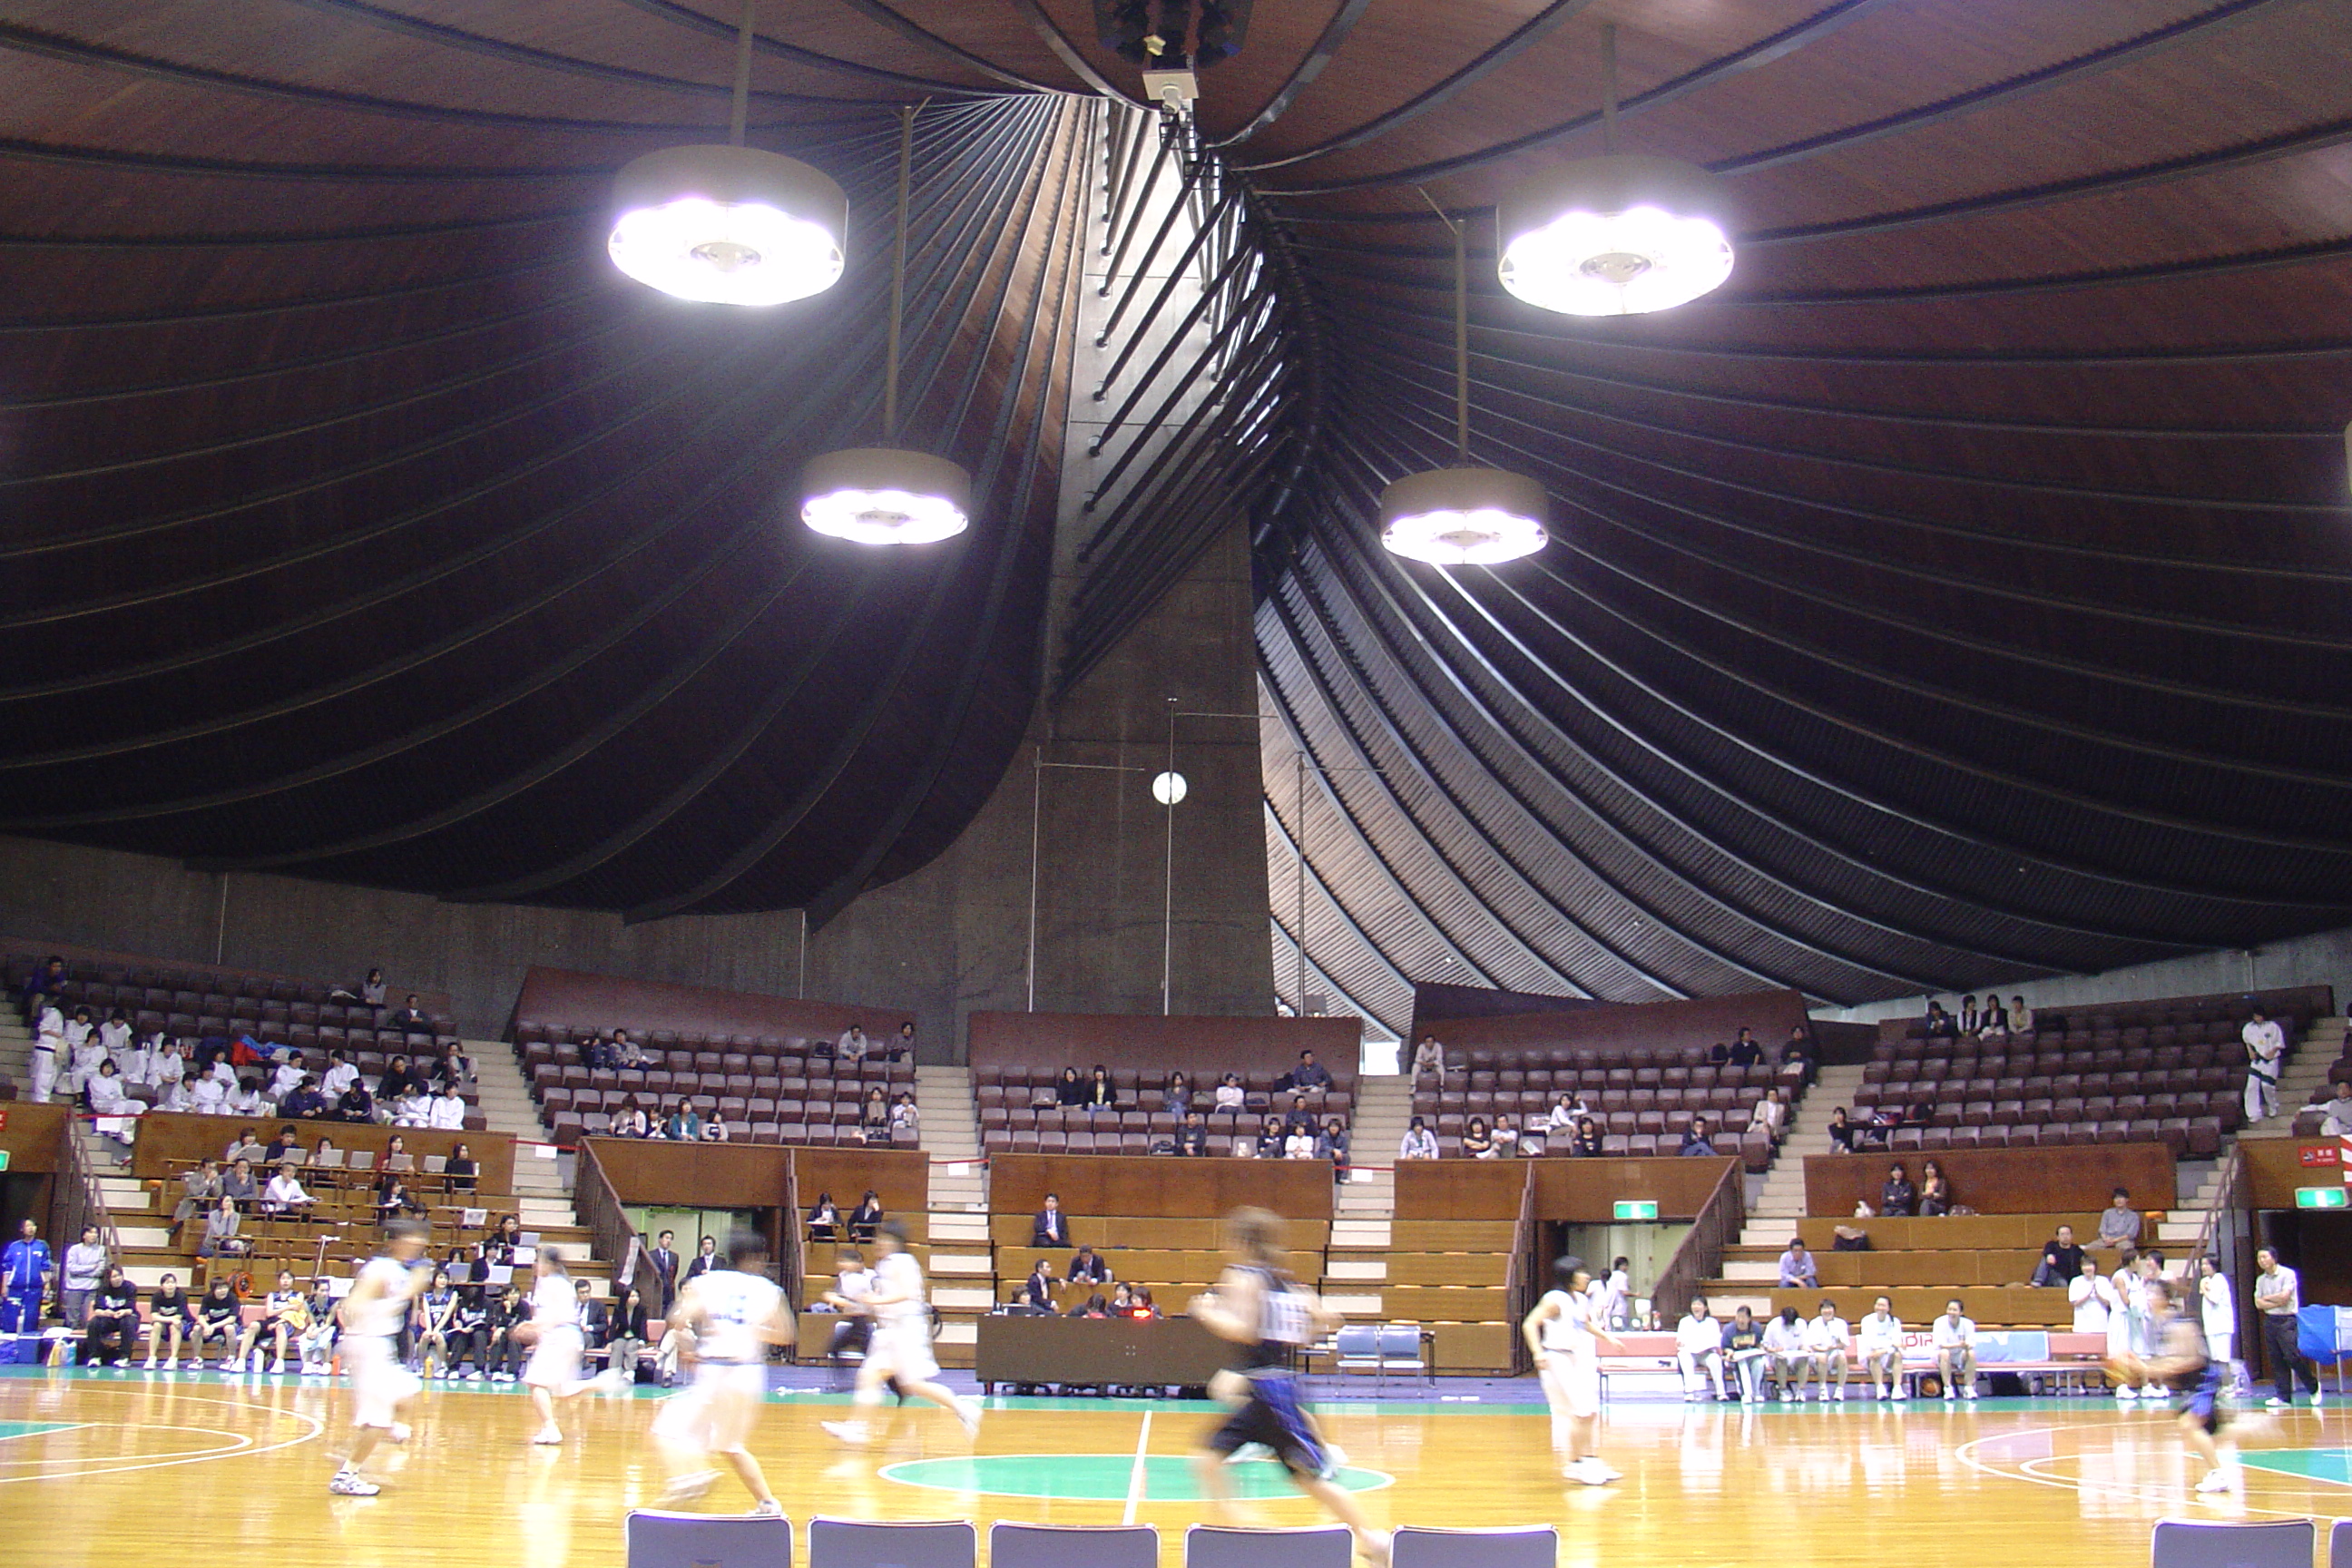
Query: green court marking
[34, 1429]
[1105, 1477]
[2311, 1464]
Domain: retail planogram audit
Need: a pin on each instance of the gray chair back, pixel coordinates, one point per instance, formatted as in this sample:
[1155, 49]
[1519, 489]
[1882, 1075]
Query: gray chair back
[1073, 1546]
[1420, 1546]
[2339, 1544]
[858, 1543]
[2194, 1544]
[658, 1540]
[1226, 1546]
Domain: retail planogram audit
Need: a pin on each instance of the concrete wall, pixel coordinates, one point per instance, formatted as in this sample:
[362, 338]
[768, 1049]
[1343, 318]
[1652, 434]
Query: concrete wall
[2323, 958]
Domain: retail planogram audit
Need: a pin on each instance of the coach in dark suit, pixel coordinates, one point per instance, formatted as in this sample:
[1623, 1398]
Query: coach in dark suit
[665, 1262]
[1053, 1226]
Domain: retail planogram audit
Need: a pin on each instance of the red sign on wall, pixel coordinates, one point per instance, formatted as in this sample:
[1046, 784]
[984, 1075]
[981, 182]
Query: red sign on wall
[2317, 1156]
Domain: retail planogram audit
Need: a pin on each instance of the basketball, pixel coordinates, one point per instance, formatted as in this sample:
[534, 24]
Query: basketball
[526, 1334]
[2128, 1370]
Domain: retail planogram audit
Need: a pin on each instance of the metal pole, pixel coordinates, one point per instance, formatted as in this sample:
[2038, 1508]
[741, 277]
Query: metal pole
[1036, 796]
[800, 988]
[898, 274]
[740, 111]
[1609, 76]
[1298, 993]
[1168, 886]
[1461, 350]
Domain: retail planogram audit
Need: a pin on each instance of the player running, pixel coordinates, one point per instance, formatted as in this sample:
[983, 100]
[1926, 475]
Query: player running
[1257, 1305]
[372, 1318]
[1565, 1330]
[2182, 1363]
[734, 1314]
[553, 1371]
[901, 1349]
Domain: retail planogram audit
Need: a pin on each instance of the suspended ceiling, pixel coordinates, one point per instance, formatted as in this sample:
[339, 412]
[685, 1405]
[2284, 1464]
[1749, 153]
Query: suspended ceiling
[1958, 594]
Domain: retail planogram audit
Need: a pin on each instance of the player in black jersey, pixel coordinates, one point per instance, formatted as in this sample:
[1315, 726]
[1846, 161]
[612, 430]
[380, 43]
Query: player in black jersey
[1257, 1305]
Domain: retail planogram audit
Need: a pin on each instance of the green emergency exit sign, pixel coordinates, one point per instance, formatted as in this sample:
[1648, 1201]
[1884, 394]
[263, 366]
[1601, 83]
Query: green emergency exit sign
[2306, 1198]
[1638, 1208]
[4, 1159]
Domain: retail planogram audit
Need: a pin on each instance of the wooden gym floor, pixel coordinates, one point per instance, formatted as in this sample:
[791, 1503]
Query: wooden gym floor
[130, 1469]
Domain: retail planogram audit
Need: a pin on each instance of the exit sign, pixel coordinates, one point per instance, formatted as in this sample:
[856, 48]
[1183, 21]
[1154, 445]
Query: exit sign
[1647, 1208]
[2307, 1198]
[4, 1159]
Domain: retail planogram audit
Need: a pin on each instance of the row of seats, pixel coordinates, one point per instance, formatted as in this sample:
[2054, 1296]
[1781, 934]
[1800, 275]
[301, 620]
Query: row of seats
[571, 1126]
[1601, 1080]
[2291, 1010]
[529, 1032]
[110, 981]
[1057, 1119]
[1012, 1081]
[1589, 1058]
[557, 1102]
[1540, 1102]
[2189, 1137]
[1152, 1101]
[2225, 1032]
[730, 1074]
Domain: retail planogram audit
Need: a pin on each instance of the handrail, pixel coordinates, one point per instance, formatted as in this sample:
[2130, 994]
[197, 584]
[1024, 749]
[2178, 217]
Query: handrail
[791, 1255]
[598, 1203]
[1519, 1290]
[1700, 1256]
[2225, 1201]
[79, 1200]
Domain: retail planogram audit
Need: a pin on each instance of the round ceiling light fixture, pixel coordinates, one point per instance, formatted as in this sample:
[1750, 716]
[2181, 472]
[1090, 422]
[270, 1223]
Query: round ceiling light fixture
[728, 225]
[886, 495]
[1618, 235]
[1464, 516]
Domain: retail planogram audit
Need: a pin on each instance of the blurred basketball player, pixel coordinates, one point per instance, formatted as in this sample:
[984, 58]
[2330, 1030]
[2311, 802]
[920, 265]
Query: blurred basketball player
[734, 1314]
[373, 1316]
[901, 1347]
[1565, 1330]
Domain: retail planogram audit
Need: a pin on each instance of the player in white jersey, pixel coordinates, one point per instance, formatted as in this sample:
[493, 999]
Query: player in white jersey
[733, 1314]
[372, 1318]
[902, 1341]
[553, 1371]
[1566, 1331]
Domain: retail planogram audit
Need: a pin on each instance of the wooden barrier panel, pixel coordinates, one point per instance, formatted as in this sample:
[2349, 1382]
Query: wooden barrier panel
[1953, 1233]
[580, 1001]
[1154, 1045]
[170, 1140]
[1122, 1184]
[2275, 1167]
[754, 1176]
[34, 1136]
[2003, 1181]
[1581, 1191]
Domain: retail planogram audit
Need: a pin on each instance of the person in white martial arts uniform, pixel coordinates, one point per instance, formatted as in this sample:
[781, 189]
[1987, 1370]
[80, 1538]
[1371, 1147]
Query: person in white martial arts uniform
[733, 1315]
[901, 1348]
[371, 1316]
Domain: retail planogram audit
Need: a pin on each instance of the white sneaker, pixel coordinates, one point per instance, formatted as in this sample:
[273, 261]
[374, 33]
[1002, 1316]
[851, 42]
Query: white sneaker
[232, 1365]
[2316, 1399]
[1902, 1397]
[687, 1488]
[1247, 1452]
[1798, 1396]
[851, 1432]
[1841, 1396]
[151, 1365]
[1969, 1391]
[612, 1383]
[2127, 1392]
[2275, 1402]
[548, 1437]
[1592, 1473]
[347, 1483]
[968, 1411]
[2214, 1481]
[277, 1367]
[771, 1509]
[1950, 1395]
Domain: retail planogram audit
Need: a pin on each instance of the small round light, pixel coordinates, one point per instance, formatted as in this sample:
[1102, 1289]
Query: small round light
[1464, 517]
[886, 495]
[1167, 788]
[730, 226]
[1613, 236]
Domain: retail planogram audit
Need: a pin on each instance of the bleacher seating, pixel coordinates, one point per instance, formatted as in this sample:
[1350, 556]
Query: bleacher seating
[1643, 1098]
[1017, 1113]
[766, 1089]
[2172, 1071]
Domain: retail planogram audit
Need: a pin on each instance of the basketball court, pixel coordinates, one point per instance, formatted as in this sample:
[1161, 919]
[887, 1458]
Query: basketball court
[132, 1466]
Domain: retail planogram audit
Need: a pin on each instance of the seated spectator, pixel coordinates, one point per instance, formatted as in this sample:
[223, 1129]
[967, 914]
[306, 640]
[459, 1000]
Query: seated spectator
[1270, 1138]
[109, 1093]
[1718, 1053]
[284, 1193]
[1038, 1294]
[631, 1327]
[715, 1131]
[319, 1338]
[355, 1103]
[370, 991]
[1880, 1351]
[201, 1190]
[1798, 1052]
[595, 1318]
[247, 1098]
[1743, 1347]
[1176, 1095]
[2062, 1262]
[462, 1170]
[1506, 1137]
[177, 1094]
[1308, 1074]
[1094, 1307]
[852, 1046]
[1477, 1140]
[171, 1319]
[1229, 1095]
[1772, 1115]
[505, 1243]
[288, 1141]
[340, 1075]
[466, 1337]
[1088, 1267]
[1101, 1094]
[1897, 1198]
[2020, 1016]
[1968, 1019]
[902, 1044]
[111, 1326]
[1955, 1337]
[1935, 1191]
[1797, 1271]
[1564, 1114]
[1993, 1022]
[598, 1053]
[1333, 1145]
[684, 1123]
[2119, 1223]
[1070, 1089]
[1786, 1359]
[906, 1116]
[1429, 1058]
[239, 1187]
[1192, 1138]
[1830, 1342]
[509, 1311]
[1939, 1023]
[1298, 1144]
[823, 1219]
[2335, 1113]
[305, 1103]
[398, 1080]
[1587, 1143]
[396, 1199]
[632, 1121]
[1745, 1052]
[1697, 1139]
[874, 1116]
[626, 1052]
[220, 1316]
[1121, 1300]
[865, 1217]
[220, 1227]
[396, 1157]
[1419, 1141]
[1143, 1305]
[1699, 1350]
[1298, 1118]
[452, 1069]
[411, 1019]
[1052, 1226]
[1841, 1131]
[414, 1109]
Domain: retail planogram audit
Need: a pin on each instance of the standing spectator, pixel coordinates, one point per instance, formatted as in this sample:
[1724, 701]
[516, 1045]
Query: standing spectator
[1699, 1350]
[2119, 1223]
[1429, 1058]
[1743, 1346]
[823, 1223]
[1053, 1226]
[706, 1258]
[2265, 1045]
[1798, 1270]
[1830, 1345]
[110, 1323]
[1615, 1297]
[171, 1318]
[85, 1268]
[48, 1049]
[1419, 1143]
[2217, 1311]
[1785, 1362]
[1955, 1336]
[1880, 1349]
[2093, 1299]
[2278, 1293]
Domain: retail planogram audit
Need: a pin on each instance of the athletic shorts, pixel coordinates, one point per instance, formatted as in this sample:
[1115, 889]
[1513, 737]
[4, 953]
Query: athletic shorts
[380, 1385]
[902, 1348]
[1272, 1416]
[2203, 1402]
[554, 1361]
[1572, 1384]
[716, 1411]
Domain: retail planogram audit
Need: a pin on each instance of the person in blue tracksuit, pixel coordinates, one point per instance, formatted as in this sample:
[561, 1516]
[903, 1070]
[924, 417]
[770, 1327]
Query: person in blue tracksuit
[25, 1265]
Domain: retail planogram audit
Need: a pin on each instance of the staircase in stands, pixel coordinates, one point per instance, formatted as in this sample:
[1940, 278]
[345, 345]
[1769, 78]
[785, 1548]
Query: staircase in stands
[542, 1178]
[1752, 1261]
[1364, 1207]
[961, 1263]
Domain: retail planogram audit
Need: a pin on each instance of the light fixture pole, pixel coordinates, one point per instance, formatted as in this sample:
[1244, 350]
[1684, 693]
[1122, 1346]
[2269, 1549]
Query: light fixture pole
[1168, 869]
[1037, 766]
[1301, 768]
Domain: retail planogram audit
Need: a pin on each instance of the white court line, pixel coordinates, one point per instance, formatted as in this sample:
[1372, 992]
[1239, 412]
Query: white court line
[1136, 1477]
[46, 1429]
